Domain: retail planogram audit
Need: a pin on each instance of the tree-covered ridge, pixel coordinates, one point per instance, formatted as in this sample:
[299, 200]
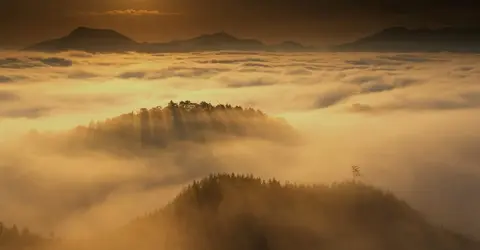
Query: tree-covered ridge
[228, 211]
[13, 238]
[184, 121]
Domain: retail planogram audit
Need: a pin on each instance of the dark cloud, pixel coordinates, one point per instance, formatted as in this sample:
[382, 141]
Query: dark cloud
[256, 65]
[358, 107]
[372, 62]
[6, 96]
[406, 58]
[378, 83]
[54, 61]
[244, 83]
[189, 72]
[377, 86]
[332, 97]
[173, 71]
[16, 63]
[5, 79]
[393, 60]
[80, 54]
[468, 100]
[32, 62]
[133, 74]
[82, 75]
[233, 61]
[465, 68]
[298, 71]
[29, 113]
[256, 70]
[405, 82]
[366, 79]
[367, 84]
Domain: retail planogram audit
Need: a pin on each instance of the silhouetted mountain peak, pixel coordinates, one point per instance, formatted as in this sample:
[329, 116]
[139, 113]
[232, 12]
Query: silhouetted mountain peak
[222, 35]
[91, 33]
[107, 40]
[401, 39]
[291, 44]
[222, 38]
[88, 39]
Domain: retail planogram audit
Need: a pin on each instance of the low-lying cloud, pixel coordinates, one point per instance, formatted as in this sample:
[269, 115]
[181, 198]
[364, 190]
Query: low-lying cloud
[409, 121]
[7, 96]
[32, 62]
[5, 79]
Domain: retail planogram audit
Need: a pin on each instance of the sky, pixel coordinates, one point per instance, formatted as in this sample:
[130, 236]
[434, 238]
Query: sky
[313, 22]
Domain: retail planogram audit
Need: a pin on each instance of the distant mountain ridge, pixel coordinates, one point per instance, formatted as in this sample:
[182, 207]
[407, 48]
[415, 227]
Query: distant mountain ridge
[88, 39]
[106, 40]
[394, 39]
[401, 39]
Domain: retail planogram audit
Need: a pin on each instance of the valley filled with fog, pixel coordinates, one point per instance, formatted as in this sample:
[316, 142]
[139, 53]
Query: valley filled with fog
[409, 121]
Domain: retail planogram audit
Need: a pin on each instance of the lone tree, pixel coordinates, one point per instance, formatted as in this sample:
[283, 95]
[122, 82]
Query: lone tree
[356, 172]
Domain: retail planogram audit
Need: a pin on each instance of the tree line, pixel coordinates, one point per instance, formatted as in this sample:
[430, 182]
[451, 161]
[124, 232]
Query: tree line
[183, 121]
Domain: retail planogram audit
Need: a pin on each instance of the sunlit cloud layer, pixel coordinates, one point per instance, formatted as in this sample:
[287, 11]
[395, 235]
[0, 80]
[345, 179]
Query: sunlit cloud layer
[409, 120]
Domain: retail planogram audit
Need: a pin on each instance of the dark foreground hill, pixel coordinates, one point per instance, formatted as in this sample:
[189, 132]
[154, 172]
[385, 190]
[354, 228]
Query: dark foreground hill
[243, 212]
[400, 39]
[229, 212]
[105, 41]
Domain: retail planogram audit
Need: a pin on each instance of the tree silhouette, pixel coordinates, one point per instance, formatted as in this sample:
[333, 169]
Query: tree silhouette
[356, 172]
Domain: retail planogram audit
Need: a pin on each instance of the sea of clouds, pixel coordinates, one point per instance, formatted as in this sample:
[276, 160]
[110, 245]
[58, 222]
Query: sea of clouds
[410, 121]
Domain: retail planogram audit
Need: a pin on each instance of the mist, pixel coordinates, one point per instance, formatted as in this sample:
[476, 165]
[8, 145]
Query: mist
[410, 121]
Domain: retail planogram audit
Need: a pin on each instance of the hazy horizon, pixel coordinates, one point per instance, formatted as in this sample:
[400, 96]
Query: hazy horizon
[319, 23]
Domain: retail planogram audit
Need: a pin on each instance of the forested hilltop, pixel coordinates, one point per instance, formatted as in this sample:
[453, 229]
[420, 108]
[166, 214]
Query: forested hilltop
[186, 121]
[13, 238]
[228, 211]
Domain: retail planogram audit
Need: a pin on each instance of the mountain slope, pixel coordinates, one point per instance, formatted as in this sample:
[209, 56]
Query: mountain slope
[400, 39]
[102, 40]
[235, 212]
[242, 212]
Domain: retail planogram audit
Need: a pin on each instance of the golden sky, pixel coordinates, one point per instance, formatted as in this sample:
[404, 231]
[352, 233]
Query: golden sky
[23, 22]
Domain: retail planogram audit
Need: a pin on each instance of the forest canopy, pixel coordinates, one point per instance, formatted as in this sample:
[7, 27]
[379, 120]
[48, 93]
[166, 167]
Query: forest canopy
[159, 127]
